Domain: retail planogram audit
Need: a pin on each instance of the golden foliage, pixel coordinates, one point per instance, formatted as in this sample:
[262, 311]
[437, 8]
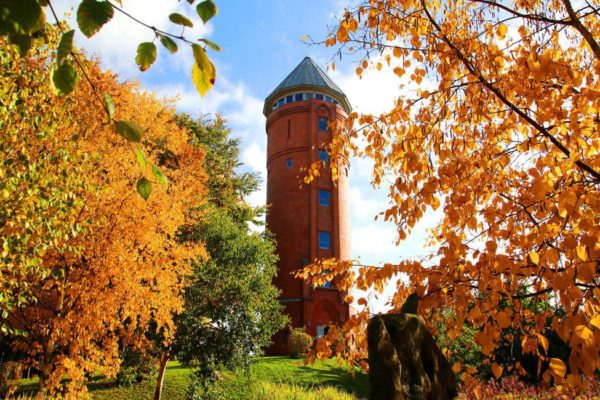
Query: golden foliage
[130, 269]
[496, 124]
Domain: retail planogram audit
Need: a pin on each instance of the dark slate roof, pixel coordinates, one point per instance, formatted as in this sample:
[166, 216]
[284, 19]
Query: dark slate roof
[308, 73]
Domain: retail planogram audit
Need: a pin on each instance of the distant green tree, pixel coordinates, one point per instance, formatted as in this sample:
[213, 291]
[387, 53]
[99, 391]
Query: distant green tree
[231, 310]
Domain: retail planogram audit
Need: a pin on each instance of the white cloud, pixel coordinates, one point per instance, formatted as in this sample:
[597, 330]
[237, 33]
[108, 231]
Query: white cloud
[255, 157]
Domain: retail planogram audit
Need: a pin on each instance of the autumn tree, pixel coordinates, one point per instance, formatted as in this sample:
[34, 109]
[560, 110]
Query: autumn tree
[496, 123]
[121, 267]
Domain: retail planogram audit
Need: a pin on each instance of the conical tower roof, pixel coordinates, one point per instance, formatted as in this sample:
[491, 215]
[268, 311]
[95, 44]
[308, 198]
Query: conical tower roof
[308, 75]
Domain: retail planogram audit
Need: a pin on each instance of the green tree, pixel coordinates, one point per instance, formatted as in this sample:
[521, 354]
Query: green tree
[231, 309]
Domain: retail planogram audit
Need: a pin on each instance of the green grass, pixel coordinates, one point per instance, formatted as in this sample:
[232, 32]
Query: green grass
[292, 373]
[270, 378]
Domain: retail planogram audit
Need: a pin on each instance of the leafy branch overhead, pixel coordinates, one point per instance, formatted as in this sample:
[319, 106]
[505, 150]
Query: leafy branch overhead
[23, 22]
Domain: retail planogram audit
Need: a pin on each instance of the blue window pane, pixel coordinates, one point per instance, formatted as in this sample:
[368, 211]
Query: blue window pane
[289, 162]
[324, 240]
[323, 156]
[329, 99]
[327, 285]
[309, 96]
[298, 97]
[280, 102]
[289, 99]
[323, 123]
[324, 197]
[319, 96]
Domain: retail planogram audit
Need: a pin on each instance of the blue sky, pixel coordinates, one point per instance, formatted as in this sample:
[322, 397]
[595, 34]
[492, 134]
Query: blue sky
[261, 43]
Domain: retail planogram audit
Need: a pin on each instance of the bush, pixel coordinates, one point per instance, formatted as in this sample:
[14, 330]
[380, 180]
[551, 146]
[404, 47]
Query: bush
[299, 342]
[11, 374]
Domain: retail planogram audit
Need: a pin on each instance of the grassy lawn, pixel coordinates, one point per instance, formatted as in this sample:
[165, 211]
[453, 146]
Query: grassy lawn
[268, 374]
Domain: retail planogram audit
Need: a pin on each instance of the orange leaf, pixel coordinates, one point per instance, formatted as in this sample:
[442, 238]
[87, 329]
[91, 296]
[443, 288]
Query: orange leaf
[456, 367]
[497, 370]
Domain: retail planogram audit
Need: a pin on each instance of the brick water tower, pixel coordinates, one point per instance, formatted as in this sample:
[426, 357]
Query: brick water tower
[312, 221]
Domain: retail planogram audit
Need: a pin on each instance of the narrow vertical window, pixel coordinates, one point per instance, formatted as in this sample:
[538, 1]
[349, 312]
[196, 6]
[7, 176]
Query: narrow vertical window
[289, 128]
[289, 99]
[320, 331]
[323, 197]
[323, 124]
[298, 97]
[289, 162]
[324, 240]
[323, 156]
[319, 96]
[326, 284]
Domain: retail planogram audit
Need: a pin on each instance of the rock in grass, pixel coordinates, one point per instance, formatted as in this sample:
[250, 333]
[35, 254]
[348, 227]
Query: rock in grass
[405, 362]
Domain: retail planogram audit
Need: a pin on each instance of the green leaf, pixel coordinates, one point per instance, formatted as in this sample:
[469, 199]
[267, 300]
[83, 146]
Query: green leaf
[203, 71]
[22, 42]
[144, 188]
[92, 15]
[141, 158]
[206, 10]
[168, 43]
[20, 17]
[109, 105]
[179, 19]
[64, 79]
[211, 44]
[146, 55]
[65, 47]
[160, 177]
[129, 131]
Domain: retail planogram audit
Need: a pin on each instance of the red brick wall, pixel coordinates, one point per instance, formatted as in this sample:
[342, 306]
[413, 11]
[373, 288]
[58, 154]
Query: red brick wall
[295, 217]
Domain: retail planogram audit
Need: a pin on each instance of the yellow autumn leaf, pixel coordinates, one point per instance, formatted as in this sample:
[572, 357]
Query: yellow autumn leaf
[203, 71]
[534, 257]
[558, 367]
[596, 321]
[581, 253]
[542, 341]
[502, 29]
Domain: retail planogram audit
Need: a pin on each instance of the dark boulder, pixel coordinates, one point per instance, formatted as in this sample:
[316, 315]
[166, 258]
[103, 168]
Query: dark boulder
[405, 362]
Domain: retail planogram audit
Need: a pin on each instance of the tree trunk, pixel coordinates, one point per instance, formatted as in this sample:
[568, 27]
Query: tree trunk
[161, 374]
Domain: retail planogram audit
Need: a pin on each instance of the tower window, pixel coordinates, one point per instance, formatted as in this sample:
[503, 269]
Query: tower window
[320, 331]
[289, 162]
[318, 96]
[289, 99]
[329, 99]
[323, 156]
[298, 97]
[324, 240]
[280, 102]
[309, 96]
[323, 124]
[323, 197]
